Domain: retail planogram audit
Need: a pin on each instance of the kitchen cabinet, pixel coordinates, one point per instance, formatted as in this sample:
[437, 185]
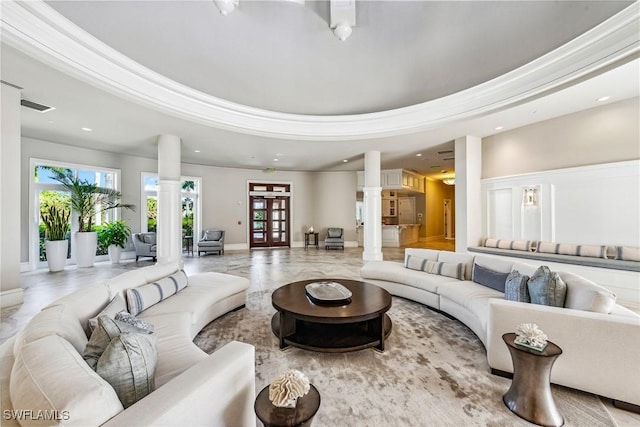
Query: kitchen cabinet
[395, 179]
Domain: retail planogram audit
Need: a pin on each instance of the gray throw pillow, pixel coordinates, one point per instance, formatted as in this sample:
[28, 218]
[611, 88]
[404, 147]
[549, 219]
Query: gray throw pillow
[547, 288]
[489, 278]
[106, 330]
[149, 238]
[516, 287]
[213, 235]
[128, 364]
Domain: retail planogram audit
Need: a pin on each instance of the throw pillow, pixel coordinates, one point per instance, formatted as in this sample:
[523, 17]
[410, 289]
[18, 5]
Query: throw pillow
[213, 235]
[491, 243]
[143, 297]
[628, 253]
[515, 287]
[116, 305]
[489, 278]
[547, 288]
[149, 238]
[128, 364]
[448, 269]
[106, 330]
[415, 263]
[125, 317]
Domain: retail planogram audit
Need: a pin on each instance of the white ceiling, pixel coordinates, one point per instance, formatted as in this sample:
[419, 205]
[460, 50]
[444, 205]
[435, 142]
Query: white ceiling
[281, 56]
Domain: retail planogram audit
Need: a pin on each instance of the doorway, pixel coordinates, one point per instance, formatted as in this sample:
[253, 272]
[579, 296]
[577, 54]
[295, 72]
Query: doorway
[269, 215]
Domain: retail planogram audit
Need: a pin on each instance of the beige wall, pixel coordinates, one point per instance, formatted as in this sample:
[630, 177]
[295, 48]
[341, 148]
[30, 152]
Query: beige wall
[436, 192]
[321, 199]
[604, 134]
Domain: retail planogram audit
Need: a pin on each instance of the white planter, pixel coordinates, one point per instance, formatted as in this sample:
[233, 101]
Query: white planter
[56, 254]
[115, 252]
[85, 248]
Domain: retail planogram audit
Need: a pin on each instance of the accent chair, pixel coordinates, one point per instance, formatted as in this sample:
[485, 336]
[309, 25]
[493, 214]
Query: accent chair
[145, 244]
[335, 238]
[211, 241]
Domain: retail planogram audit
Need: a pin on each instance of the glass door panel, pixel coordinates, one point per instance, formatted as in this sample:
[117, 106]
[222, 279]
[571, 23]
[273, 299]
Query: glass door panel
[269, 217]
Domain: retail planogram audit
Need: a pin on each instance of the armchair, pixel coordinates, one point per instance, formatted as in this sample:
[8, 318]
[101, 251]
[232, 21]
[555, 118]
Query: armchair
[145, 244]
[335, 238]
[211, 241]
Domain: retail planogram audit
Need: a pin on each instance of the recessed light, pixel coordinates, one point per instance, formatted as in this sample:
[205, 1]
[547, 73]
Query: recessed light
[345, 161]
[419, 155]
[196, 151]
[603, 98]
[275, 160]
[87, 129]
[499, 127]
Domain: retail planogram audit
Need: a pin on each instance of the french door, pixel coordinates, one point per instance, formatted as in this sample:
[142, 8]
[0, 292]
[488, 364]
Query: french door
[269, 213]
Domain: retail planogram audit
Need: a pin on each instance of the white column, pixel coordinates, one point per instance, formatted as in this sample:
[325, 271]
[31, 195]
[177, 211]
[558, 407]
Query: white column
[372, 207]
[10, 291]
[169, 229]
[468, 166]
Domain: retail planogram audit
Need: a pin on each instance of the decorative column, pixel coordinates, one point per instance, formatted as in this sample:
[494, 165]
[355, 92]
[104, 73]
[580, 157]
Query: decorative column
[468, 166]
[169, 229]
[10, 291]
[372, 207]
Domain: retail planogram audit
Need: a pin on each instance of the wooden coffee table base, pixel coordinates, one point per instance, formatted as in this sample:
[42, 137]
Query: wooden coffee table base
[331, 337]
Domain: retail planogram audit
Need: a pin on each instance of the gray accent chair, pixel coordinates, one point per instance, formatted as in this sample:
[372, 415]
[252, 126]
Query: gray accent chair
[335, 238]
[145, 244]
[211, 241]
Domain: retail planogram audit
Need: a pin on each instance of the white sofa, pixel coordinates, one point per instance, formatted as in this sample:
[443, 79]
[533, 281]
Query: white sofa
[43, 370]
[600, 350]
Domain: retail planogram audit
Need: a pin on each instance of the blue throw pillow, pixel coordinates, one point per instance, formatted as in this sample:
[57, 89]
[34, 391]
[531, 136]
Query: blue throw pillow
[516, 287]
[489, 278]
[547, 288]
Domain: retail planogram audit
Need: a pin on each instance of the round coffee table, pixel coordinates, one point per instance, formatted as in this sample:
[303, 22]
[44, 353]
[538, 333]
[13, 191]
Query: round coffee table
[360, 324]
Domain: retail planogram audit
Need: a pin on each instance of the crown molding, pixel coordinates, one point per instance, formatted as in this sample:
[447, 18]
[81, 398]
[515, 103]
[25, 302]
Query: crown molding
[39, 31]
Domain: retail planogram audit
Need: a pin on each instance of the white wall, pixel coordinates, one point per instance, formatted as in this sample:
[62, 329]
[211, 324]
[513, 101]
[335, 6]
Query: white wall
[606, 134]
[597, 204]
[321, 199]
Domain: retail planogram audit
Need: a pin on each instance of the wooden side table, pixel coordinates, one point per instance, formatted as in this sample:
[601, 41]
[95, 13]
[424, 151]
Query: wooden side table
[307, 240]
[529, 396]
[302, 415]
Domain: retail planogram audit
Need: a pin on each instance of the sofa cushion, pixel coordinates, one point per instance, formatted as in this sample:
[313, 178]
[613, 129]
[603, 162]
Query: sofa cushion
[58, 320]
[490, 278]
[176, 350]
[448, 269]
[396, 272]
[428, 254]
[627, 253]
[583, 294]
[516, 287]
[50, 375]
[547, 288]
[116, 305]
[469, 295]
[129, 365]
[97, 294]
[594, 251]
[106, 330]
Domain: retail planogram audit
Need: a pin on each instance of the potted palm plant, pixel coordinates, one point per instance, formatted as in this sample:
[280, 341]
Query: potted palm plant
[56, 224]
[114, 236]
[87, 200]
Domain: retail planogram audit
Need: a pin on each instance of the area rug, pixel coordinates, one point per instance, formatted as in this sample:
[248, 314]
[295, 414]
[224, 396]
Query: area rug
[433, 372]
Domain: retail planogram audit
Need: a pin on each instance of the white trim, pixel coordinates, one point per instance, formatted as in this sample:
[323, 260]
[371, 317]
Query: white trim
[24, 267]
[11, 297]
[36, 29]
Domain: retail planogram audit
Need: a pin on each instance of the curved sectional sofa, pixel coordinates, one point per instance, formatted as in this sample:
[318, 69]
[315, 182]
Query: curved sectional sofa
[600, 349]
[45, 380]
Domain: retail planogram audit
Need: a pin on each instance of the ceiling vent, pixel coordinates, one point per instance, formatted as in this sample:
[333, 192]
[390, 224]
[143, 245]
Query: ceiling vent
[449, 158]
[445, 152]
[35, 106]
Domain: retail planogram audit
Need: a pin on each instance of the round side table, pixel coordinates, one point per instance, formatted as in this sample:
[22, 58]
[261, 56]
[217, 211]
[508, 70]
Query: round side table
[273, 416]
[529, 396]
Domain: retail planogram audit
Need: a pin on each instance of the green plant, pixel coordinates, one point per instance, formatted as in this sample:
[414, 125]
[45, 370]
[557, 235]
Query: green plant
[56, 222]
[114, 233]
[88, 199]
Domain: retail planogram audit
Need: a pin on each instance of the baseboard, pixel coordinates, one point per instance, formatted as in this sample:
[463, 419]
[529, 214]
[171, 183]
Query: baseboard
[231, 247]
[11, 297]
[431, 238]
[24, 267]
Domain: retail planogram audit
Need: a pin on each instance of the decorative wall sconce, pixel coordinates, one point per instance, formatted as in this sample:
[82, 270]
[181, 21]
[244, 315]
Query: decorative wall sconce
[530, 196]
[449, 181]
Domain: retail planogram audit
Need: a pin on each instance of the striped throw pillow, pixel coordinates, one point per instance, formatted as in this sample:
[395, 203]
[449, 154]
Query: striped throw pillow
[145, 296]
